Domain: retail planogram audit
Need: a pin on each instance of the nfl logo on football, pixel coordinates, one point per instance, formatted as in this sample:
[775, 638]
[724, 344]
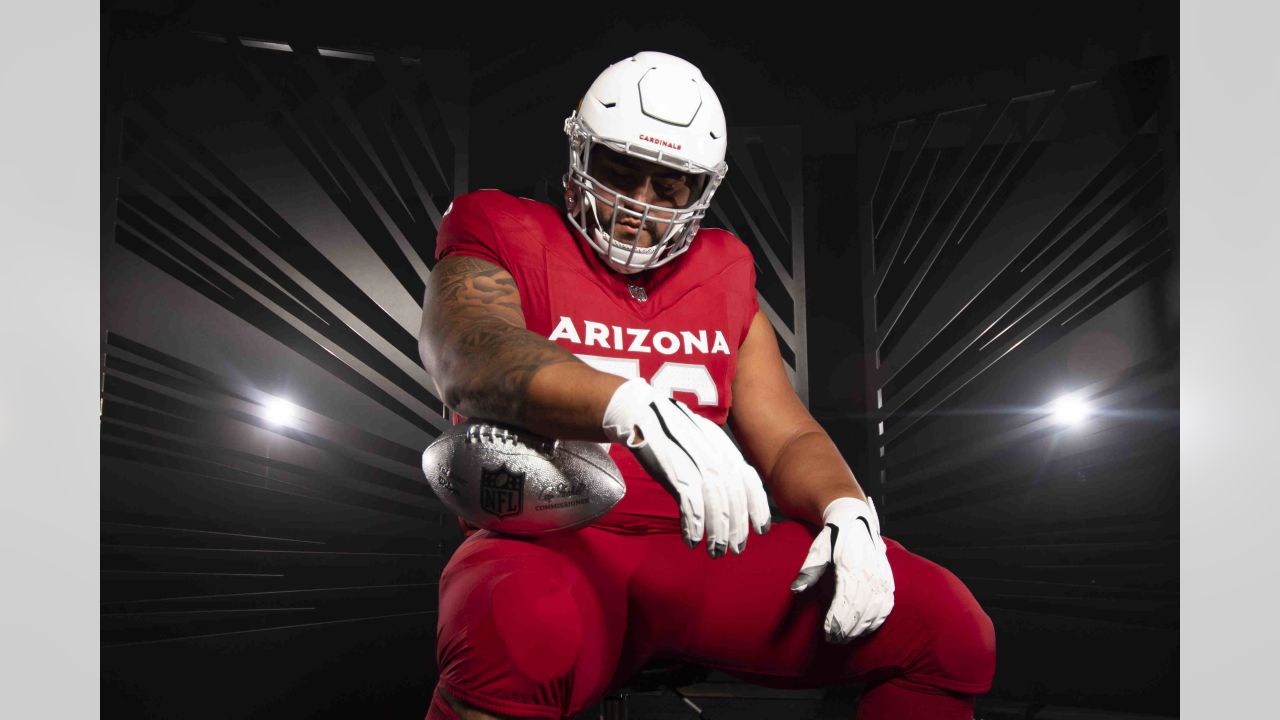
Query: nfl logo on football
[501, 491]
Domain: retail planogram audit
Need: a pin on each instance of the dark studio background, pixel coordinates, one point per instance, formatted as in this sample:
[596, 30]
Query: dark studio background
[954, 218]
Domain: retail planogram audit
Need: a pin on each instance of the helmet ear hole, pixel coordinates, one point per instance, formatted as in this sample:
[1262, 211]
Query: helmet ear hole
[572, 194]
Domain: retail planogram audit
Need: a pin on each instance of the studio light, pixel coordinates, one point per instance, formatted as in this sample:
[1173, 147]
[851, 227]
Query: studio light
[1069, 410]
[280, 412]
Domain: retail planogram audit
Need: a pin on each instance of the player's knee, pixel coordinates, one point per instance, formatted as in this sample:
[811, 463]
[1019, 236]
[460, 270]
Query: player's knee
[964, 644]
[510, 634]
[539, 623]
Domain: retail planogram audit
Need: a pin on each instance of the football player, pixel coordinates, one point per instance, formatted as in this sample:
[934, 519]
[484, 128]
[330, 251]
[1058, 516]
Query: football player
[617, 318]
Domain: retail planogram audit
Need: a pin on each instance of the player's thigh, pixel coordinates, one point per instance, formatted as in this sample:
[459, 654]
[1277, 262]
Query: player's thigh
[745, 616]
[751, 624]
[530, 628]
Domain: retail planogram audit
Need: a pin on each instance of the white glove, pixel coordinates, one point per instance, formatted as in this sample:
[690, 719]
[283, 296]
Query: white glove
[851, 541]
[747, 499]
[669, 442]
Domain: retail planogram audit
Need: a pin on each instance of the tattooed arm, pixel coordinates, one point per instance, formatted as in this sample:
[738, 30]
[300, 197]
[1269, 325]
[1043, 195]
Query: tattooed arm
[485, 363]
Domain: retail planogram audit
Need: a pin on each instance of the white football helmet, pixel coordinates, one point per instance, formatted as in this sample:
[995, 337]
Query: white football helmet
[656, 107]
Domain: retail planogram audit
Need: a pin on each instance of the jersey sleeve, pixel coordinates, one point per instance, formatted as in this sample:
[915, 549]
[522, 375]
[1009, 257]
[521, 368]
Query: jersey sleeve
[466, 230]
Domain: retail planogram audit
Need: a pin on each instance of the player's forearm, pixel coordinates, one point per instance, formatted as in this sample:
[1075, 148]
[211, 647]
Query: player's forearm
[496, 371]
[486, 364]
[808, 474]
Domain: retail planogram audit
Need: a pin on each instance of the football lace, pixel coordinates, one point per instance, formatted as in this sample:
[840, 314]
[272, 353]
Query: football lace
[486, 433]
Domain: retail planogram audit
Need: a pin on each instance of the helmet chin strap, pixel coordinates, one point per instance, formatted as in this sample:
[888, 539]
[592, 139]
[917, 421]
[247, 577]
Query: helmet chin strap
[609, 259]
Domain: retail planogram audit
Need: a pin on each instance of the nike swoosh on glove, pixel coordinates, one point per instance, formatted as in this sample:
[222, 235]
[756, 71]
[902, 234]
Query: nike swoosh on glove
[667, 440]
[850, 540]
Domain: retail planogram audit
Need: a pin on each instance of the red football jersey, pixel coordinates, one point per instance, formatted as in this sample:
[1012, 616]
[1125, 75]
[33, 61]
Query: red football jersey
[679, 326]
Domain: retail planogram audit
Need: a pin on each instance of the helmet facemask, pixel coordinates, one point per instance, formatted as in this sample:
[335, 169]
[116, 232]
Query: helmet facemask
[584, 192]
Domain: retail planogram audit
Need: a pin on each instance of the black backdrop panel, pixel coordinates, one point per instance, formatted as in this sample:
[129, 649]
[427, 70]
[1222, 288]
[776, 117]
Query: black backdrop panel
[1016, 250]
[265, 535]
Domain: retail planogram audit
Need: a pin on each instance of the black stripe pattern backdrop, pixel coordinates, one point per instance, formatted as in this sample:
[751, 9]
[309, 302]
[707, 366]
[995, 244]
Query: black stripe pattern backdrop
[1013, 251]
[263, 521]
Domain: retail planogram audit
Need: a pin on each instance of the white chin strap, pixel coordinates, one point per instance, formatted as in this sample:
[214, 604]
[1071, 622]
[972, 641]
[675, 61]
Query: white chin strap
[619, 262]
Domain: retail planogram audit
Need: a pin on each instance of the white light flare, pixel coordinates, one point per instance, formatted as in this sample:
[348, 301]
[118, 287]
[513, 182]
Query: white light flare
[280, 412]
[1070, 410]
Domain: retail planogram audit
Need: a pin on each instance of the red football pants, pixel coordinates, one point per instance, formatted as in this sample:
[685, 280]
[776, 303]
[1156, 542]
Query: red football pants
[545, 627]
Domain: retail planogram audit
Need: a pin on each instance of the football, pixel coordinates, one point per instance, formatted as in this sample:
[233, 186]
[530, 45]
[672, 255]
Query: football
[511, 481]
